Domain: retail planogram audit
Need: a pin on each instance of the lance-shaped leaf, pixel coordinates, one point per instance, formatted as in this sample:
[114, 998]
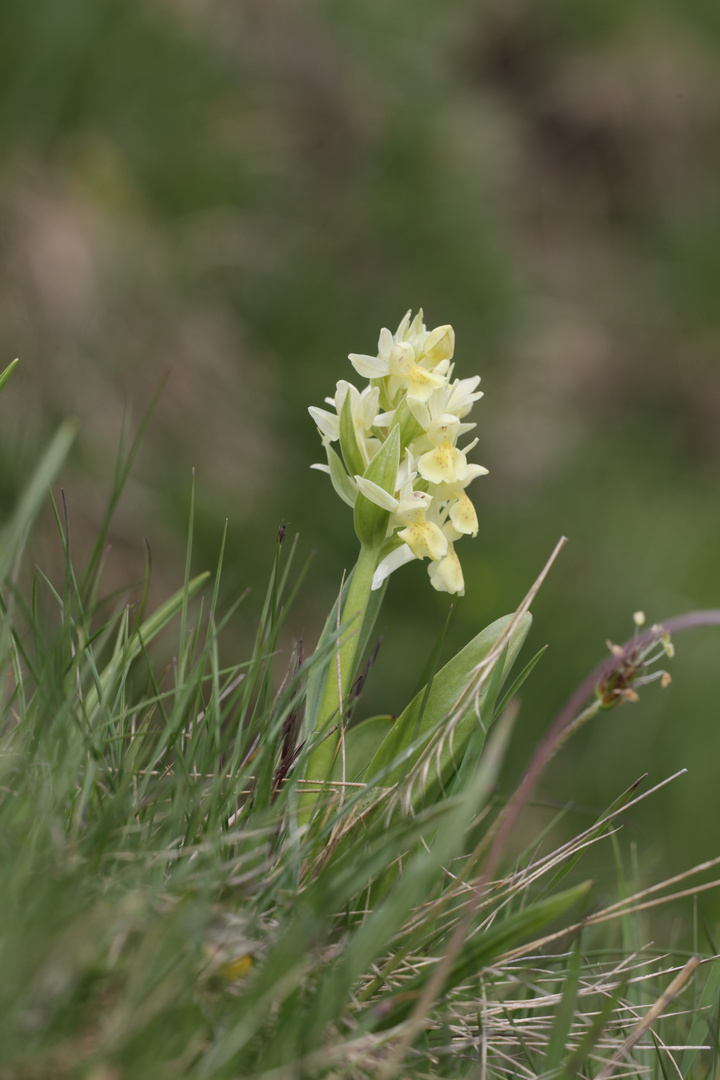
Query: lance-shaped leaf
[565, 1012]
[7, 373]
[34, 496]
[348, 439]
[361, 742]
[406, 421]
[370, 519]
[431, 706]
[421, 872]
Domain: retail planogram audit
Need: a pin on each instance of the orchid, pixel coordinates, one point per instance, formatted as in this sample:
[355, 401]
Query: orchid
[399, 466]
[426, 509]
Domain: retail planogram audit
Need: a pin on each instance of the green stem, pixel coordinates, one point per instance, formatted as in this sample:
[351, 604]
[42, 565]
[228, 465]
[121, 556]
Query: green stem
[321, 760]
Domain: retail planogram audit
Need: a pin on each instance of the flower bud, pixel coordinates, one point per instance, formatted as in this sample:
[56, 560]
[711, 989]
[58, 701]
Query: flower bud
[439, 345]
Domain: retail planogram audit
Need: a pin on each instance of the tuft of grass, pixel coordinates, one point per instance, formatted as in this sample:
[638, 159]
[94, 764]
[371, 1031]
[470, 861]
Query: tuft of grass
[167, 910]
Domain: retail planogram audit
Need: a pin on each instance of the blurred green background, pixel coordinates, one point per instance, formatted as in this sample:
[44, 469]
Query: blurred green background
[238, 194]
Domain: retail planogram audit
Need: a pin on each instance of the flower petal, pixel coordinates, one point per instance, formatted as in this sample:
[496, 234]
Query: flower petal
[447, 576]
[421, 383]
[376, 494]
[385, 343]
[370, 367]
[425, 540]
[463, 516]
[393, 561]
[421, 413]
[404, 323]
[473, 472]
[328, 423]
[444, 464]
[412, 503]
[439, 345]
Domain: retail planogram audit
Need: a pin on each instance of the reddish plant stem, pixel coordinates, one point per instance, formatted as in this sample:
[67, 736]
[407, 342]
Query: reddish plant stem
[553, 737]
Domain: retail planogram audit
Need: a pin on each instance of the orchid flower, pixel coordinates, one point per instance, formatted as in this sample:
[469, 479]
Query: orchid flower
[425, 509]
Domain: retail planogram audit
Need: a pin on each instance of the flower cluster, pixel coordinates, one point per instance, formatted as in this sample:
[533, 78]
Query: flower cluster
[630, 666]
[401, 468]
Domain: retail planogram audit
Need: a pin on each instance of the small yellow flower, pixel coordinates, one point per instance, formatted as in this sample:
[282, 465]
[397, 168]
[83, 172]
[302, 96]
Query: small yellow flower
[447, 576]
[439, 345]
[424, 539]
[238, 968]
[463, 515]
[424, 411]
[444, 464]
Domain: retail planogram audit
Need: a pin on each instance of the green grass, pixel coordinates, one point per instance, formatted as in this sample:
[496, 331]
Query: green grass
[166, 911]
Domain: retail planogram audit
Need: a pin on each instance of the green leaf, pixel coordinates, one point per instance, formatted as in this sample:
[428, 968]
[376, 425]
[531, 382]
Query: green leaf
[602, 1020]
[562, 1025]
[487, 715]
[518, 681]
[34, 496]
[361, 742]
[420, 874]
[445, 690]
[7, 373]
[348, 440]
[340, 480]
[370, 519]
[484, 777]
[409, 426]
[702, 1017]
